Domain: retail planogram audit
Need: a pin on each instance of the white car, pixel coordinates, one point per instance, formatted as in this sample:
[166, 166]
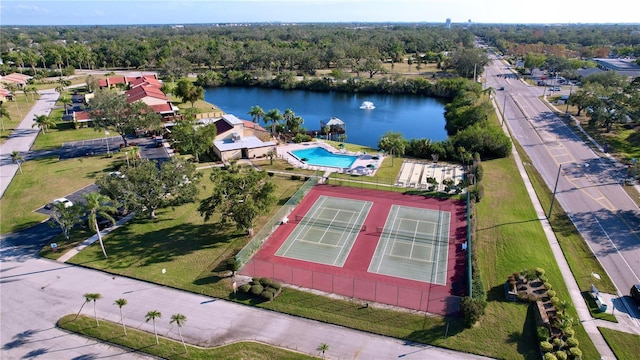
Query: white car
[64, 201]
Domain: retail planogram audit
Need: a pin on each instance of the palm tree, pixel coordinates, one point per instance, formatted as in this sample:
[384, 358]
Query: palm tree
[17, 159]
[256, 113]
[153, 315]
[43, 122]
[121, 302]
[65, 99]
[87, 298]
[30, 90]
[98, 205]
[179, 319]
[323, 347]
[4, 114]
[93, 297]
[273, 116]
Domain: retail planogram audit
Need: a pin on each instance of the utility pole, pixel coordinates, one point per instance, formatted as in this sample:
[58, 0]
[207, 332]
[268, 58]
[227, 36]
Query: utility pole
[555, 189]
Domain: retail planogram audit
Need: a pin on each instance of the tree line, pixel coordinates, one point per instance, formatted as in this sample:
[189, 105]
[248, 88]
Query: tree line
[274, 48]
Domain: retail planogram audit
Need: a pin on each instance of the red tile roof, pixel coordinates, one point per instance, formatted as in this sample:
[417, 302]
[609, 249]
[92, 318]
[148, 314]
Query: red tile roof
[114, 80]
[16, 78]
[162, 108]
[145, 80]
[140, 92]
[251, 125]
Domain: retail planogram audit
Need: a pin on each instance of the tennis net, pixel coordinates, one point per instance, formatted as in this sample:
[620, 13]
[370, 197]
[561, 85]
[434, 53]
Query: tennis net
[408, 235]
[302, 220]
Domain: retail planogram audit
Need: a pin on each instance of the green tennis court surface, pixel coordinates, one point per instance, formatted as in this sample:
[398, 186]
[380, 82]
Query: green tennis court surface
[413, 245]
[327, 232]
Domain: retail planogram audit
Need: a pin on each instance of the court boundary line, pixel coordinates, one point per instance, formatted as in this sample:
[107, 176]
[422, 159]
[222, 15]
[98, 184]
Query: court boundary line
[314, 221]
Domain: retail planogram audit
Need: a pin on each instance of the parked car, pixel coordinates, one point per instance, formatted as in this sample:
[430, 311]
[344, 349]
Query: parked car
[635, 294]
[66, 202]
[557, 88]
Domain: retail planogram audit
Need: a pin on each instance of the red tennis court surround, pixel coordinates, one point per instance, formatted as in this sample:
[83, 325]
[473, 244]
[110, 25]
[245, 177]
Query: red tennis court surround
[353, 279]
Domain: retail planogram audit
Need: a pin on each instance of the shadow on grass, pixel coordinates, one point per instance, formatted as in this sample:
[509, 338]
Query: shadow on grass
[433, 334]
[166, 244]
[528, 341]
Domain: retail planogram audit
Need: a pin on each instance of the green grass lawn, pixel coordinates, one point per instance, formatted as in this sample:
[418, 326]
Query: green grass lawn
[509, 239]
[144, 342]
[624, 345]
[43, 180]
[18, 109]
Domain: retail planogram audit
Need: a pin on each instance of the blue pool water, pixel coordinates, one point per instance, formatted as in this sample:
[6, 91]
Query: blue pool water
[320, 157]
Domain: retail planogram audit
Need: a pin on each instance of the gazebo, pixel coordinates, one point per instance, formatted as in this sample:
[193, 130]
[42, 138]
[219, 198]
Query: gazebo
[336, 126]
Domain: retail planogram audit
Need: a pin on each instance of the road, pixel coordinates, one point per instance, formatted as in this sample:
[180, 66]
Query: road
[588, 187]
[37, 292]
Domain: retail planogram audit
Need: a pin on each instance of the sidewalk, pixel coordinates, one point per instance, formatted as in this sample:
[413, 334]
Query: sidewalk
[71, 253]
[23, 137]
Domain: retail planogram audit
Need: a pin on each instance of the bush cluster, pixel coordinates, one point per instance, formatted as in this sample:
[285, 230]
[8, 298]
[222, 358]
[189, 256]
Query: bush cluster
[263, 288]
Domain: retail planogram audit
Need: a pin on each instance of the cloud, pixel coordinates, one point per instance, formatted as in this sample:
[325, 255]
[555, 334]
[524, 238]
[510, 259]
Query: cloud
[32, 8]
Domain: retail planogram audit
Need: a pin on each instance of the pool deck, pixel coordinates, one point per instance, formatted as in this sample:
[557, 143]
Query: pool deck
[359, 167]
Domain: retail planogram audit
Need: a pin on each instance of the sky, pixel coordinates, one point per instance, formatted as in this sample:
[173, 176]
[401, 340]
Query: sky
[119, 12]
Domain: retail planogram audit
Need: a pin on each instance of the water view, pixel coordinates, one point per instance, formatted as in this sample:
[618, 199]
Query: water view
[413, 116]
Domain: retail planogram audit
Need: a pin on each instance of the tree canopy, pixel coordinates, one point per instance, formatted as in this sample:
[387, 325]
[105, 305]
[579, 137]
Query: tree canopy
[147, 186]
[240, 195]
[111, 111]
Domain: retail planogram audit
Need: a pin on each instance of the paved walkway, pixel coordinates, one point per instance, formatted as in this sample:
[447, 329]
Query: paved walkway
[23, 137]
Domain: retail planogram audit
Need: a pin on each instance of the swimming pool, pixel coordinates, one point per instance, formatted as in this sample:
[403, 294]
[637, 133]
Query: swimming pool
[321, 157]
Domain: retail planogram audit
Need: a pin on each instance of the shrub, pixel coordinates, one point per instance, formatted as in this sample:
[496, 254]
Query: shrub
[266, 282]
[268, 295]
[555, 301]
[257, 289]
[575, 353]
[276, 285]
[479, 173]
[573, 342]
[561, 355]
[546, 346]
[551, 293]
[547, 285]
[543, 333]
[569, 333]
[472, 309]
[558, 343]
[232, 265]
[549, 356]
[479, 192]
[245, 288]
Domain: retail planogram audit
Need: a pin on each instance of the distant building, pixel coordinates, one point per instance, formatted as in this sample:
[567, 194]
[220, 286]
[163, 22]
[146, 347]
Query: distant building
[448, 23]
[624, 67]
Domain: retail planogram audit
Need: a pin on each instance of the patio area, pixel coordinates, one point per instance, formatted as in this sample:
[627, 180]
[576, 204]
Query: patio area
[364, 164]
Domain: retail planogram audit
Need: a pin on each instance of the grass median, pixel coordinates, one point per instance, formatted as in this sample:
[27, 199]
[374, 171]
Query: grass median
[143, 342]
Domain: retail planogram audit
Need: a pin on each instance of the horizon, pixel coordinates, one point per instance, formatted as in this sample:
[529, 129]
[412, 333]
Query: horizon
[202, 12]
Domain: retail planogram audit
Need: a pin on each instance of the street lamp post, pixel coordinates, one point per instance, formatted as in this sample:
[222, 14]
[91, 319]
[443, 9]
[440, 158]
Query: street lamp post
[570, 91]
[106, 133]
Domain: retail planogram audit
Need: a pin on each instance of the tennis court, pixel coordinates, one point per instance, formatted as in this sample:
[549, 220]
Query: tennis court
[327, 232]
[398, 249]
[413, 245]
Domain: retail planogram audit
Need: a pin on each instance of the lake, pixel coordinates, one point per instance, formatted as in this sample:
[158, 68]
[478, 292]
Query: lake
[413, 116]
